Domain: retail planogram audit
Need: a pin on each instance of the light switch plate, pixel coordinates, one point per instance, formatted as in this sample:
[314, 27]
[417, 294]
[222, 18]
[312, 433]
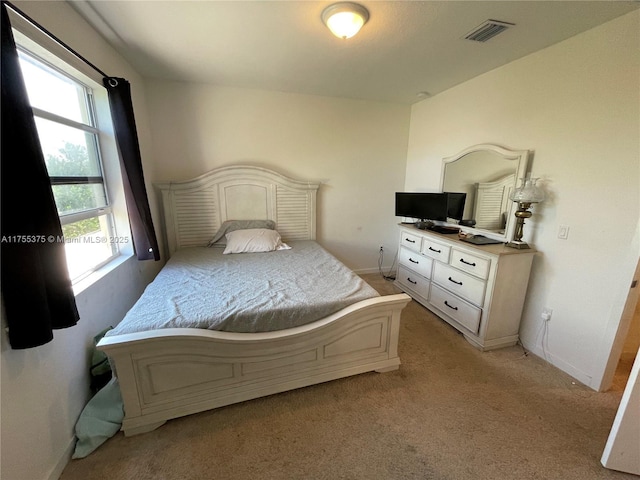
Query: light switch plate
[563, 232]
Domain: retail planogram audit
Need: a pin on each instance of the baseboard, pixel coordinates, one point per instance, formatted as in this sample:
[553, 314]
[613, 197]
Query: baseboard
[366, 271]
[579, 375]
[64, 459]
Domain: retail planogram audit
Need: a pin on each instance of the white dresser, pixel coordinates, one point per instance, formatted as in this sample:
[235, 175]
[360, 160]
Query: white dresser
[478, 289]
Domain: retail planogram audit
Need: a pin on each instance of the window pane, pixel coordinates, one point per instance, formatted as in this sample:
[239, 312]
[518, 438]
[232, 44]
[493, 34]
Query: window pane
[68, 151]
[76, 198]
[83, 227]
[54, 92]
[88, 243]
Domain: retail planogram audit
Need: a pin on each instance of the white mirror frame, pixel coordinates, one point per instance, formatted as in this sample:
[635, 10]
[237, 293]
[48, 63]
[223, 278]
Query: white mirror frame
[522, 159]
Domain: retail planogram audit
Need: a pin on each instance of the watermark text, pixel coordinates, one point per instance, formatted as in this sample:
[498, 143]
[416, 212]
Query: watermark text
[97, 239]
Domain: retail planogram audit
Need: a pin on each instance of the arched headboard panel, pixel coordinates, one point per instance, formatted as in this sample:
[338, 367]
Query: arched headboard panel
[492, 203]
[195, 209]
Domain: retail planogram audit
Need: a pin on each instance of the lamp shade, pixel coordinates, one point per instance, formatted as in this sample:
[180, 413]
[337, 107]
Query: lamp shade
[345, 19]
[528, 192]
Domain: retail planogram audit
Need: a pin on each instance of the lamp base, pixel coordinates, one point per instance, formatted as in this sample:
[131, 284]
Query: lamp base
[520, 245]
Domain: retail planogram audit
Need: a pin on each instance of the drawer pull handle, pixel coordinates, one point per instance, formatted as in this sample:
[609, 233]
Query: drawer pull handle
[467, 263]
[452, 308]
[409, 240]
[413, 261]
[411, 281]
[452, 280]
[434, 250]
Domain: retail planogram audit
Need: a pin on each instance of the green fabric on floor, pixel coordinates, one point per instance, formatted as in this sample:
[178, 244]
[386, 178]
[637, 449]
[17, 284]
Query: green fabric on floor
[100, 420]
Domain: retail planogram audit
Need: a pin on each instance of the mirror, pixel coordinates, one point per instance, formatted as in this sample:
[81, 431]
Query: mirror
[487, 174]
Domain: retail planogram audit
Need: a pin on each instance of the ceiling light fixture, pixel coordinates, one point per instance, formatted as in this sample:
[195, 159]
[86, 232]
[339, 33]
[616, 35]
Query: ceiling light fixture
[345, 19]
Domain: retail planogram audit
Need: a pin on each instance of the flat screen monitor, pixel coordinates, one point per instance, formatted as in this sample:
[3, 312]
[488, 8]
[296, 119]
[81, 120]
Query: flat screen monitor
[423, 206]
[455, 205]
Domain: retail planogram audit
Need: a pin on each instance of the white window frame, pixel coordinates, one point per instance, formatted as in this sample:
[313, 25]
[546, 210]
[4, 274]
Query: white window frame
[50, 53]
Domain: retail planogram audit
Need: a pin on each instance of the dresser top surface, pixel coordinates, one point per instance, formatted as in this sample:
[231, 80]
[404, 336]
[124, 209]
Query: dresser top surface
[452, 239]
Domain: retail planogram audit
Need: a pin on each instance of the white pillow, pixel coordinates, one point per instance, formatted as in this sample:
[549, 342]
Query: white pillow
[233, 225]
[254, 240]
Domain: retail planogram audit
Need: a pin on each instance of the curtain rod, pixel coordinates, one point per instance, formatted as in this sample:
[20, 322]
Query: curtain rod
[53, 37]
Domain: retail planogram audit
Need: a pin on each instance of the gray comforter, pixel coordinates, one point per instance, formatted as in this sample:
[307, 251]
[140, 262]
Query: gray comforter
[248, 292]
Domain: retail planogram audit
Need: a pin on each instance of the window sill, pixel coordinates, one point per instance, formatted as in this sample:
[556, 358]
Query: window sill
[100, 273]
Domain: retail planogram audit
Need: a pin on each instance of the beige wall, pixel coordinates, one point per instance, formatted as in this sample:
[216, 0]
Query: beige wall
[357, 149]
[45, 388]
[576, 105]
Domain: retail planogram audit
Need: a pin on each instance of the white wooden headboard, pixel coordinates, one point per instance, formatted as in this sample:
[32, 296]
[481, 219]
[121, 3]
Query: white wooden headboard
[195, 209]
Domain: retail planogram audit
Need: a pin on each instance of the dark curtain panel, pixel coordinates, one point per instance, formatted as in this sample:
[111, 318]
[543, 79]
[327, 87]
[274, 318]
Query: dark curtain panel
[144, 236]
[36, 289]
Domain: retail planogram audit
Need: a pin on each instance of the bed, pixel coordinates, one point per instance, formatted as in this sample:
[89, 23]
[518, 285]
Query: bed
[169, 372]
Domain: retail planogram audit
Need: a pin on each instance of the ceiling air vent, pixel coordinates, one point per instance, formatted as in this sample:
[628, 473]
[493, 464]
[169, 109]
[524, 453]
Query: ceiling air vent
[488, 30]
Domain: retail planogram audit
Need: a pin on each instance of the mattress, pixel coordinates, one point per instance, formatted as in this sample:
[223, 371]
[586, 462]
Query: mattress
[250, 292]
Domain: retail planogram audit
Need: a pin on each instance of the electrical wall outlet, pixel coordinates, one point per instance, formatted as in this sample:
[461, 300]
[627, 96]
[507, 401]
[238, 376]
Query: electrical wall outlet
[546, 314]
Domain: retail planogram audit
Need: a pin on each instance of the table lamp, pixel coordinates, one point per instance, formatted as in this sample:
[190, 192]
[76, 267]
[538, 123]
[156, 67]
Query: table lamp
[525, 195]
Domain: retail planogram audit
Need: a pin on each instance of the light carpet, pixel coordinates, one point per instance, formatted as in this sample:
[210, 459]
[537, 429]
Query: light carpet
[450, 412]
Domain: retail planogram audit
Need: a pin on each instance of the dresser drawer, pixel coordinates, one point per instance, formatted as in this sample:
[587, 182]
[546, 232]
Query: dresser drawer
[413, 281]
[462, 312]
[460, 283]
[436, 250]
[411, 241]
[470, 263]
[416, 262]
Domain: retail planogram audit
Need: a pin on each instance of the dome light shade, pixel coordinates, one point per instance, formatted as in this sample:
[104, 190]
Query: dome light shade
[528, 192]
[345, 19]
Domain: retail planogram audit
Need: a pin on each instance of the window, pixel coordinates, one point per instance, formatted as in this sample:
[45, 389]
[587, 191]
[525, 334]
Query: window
[65, 116]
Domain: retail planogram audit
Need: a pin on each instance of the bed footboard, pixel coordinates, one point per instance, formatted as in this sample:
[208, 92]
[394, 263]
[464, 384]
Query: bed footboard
[169, 373]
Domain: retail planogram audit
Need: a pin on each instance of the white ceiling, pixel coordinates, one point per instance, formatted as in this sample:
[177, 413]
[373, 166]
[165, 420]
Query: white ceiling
[406, 47]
